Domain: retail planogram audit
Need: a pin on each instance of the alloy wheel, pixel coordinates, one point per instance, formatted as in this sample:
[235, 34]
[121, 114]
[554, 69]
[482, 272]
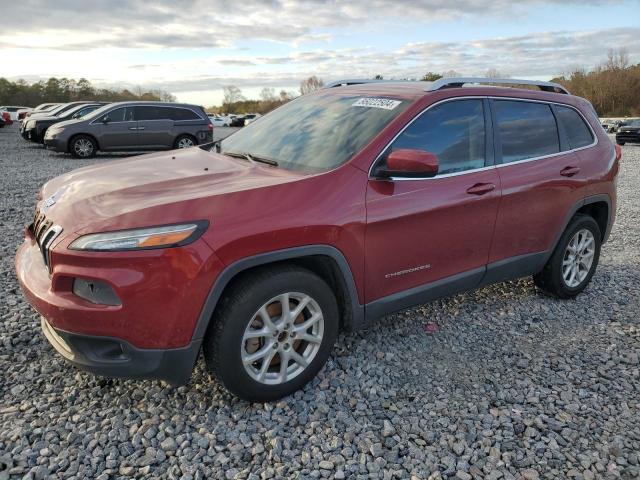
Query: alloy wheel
[83, 147]
[578, 258]
[185, 142]
[282, 338]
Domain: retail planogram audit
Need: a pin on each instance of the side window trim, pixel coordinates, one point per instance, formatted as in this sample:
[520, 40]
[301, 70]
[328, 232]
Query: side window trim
[489, 145]
[489, 140]
[562, 133]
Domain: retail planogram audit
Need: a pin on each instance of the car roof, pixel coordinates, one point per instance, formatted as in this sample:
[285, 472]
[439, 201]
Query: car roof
[152, 103]
[413, 90]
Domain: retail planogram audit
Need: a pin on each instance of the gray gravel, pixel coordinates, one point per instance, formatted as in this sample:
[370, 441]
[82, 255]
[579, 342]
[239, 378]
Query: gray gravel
[512, 385]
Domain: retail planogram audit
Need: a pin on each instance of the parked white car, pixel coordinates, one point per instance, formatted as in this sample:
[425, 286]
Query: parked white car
[252, 117]
[13, 111]
[219, 121]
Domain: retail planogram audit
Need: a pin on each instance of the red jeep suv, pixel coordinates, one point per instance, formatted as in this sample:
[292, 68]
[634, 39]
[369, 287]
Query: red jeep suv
[344, 205]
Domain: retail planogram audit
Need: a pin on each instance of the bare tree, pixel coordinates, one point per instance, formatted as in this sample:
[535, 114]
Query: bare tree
[232, 94]
[268, 94]
[495, 73]
[311, 84]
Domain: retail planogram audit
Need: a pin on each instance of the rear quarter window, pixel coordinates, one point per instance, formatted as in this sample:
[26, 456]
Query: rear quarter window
[527, 130]
[178, 114]
[578, 133]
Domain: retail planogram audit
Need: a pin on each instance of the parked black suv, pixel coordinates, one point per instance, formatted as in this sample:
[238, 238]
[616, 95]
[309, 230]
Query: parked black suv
[629, 133]
[34, 128]
[132, 126]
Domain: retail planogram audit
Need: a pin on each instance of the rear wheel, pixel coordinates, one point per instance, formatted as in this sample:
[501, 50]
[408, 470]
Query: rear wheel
[272, 333]
[83, 146]
[185, 141]
[574, 261]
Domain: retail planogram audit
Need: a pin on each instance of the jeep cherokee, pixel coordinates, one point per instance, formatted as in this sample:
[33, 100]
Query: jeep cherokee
[339, 207]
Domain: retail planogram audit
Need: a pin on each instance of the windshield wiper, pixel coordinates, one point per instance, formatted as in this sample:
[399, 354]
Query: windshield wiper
[252, 158]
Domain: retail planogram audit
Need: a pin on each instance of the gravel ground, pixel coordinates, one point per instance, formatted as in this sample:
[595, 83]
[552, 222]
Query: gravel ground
[511, 384]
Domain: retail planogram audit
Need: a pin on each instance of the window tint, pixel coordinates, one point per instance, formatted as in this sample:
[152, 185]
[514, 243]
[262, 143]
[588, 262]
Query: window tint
[120, 115]
[182, 114]
[453, 131]
[527, 130]
[152, 113]
[578, 133]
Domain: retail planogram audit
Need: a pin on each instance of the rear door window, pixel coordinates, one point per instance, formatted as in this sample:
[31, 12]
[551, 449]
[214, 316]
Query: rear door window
[526, 129]
[578, 133]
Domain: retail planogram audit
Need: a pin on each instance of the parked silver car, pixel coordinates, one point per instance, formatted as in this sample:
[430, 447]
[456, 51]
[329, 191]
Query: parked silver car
[132, 126]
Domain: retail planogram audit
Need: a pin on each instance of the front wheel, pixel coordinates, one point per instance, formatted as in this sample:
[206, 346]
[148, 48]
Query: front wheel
[574, 260]
[272, 333]
[83, 146]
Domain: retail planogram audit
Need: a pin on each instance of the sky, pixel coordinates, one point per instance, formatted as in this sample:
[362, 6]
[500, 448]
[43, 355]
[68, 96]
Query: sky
[193, 48]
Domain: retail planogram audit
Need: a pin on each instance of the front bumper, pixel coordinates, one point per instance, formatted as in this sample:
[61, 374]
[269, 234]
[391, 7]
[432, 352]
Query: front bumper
[55, 144]
[112, 357]
[150, 334]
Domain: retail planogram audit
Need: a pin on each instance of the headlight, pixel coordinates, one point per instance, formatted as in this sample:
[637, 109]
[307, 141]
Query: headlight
[141, 238]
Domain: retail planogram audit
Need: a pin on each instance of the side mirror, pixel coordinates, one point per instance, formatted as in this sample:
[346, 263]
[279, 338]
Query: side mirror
[105, 119]
[411, 164]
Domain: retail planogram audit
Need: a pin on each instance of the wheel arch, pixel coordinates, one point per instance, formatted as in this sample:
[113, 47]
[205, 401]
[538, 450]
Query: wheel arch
[75, 135]
[592, 205]
[325, 261]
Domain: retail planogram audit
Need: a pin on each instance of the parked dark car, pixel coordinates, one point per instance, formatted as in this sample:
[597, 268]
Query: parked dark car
[629, 133]
[2, 122]
[34, 128]
[131, 126]
[237, 121]
[260, 250]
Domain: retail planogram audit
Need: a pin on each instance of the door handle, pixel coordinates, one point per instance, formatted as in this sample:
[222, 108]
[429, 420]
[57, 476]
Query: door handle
[481, 188]
[569, 171]
[140, 128]
[133, 128]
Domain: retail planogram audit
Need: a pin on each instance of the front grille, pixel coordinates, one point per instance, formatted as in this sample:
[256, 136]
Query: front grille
[45, 232]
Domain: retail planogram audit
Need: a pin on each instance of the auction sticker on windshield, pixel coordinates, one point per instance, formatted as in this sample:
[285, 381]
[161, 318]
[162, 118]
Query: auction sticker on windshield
[385, 103]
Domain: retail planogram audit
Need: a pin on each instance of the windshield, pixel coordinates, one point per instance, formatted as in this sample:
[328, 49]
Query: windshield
[315, 132]
[634, 123]
[54, 111]
[73, 110]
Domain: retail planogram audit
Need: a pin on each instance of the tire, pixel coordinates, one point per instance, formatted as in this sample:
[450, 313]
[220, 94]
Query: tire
[83, 146]
[185, 141]
[553, 277]
[239, 314]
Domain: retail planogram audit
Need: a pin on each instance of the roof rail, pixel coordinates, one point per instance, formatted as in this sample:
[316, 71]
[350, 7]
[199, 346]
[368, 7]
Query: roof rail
[358, 81]
[460, 81]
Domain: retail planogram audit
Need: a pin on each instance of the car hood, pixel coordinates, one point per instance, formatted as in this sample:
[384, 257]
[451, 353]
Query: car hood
[70, 121]
[45, 118]
[152, 189]
[629, 129]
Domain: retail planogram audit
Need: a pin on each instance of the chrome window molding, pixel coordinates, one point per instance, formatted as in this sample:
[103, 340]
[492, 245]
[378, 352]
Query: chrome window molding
[498, 165]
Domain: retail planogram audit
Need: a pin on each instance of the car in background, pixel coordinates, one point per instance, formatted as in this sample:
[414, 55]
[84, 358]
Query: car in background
[34, 128]
[6, 117]
[609, 126]
[58, 109]
[132, 126]
[24, 112]
[218, 121]
[629, 133]
[43, 107]
[13, 111]
[236, 121]
[252, 117]
[2, 122]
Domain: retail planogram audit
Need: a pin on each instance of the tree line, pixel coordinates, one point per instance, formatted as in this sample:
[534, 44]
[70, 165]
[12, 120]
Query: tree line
[61, 90]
